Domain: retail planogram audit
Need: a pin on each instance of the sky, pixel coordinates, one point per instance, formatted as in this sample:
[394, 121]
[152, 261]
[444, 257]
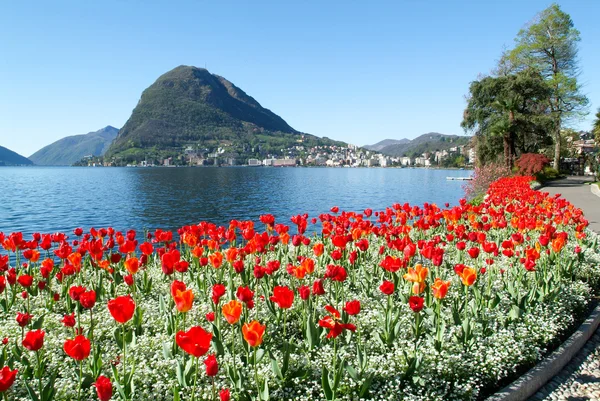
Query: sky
[356, 71]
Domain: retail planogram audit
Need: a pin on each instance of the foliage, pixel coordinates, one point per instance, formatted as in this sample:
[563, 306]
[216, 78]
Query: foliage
[10, 158]
[483, 176]
[71, 149]
[509, 114]
[548, 173]
[596, 128]
[549, 45]
[531, 163]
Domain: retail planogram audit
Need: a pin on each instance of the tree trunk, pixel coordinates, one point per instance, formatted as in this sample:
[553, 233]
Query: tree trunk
[510, 139]
[506, 142]
[556, 163]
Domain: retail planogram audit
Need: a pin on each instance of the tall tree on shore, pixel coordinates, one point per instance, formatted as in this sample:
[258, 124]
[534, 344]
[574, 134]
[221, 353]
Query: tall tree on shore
[514, 108]
[596, 128]
[549, 45]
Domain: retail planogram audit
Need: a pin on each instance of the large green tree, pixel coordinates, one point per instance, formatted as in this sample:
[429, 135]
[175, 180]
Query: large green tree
[596, 128]
[549, 45]
[512, 107]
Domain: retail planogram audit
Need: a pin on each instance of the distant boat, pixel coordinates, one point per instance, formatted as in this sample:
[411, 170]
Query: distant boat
[459, 178]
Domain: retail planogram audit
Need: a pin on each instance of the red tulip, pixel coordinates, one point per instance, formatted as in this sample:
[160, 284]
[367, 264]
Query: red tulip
[25, 280]
[122, 308]
[212, 367]
[304, 292]
[76, 291]
[77, 348]
[218, 290]
[283, 297]
[224, 394]
[23, 319]
[473, 252]
[195, 341]
[352, 307]
[34, 340]
[7, 378]
[69, 320]
[416, 303]
[333, 323]
[103, 388]
[387, 287]
[88, 299]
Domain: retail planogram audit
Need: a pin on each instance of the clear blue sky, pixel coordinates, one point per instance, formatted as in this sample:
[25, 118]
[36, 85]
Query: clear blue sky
[356, 71]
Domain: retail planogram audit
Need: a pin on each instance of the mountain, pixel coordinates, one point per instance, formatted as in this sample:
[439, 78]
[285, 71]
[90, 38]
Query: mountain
[386, 142]
[71, 149]
[429, 142]
[10, 158]
[189, 106]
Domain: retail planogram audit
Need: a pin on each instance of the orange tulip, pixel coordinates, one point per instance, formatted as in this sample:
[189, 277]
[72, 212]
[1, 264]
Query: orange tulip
[197, 251]
[216, 259]
[253, 333]
[318, 249]
[468, 276]
[183, 300]
[417, 276]
[308, 265]
[75, 259]
[232, 311]
[558, 243]
[132, 265]
[440, 288]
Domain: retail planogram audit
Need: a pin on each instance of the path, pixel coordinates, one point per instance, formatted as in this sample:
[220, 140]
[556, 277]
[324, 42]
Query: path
[580, 379]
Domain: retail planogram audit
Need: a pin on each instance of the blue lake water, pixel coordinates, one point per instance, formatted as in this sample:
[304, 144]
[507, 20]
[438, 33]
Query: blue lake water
[51, 199]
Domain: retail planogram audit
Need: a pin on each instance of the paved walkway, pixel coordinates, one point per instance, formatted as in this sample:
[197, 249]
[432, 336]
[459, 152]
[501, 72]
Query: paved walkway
[580, 379]
[576, 191]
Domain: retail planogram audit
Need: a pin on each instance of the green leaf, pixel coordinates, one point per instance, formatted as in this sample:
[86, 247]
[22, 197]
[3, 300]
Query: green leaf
[351, 371]
[264, 394]
[48, 391]
[38, 323]
[179, 373]
[325, 384]
[31, 392]
[275, 366]
[364, 389]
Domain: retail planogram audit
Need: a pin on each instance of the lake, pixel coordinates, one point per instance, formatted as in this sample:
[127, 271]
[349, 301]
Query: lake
[51, 199]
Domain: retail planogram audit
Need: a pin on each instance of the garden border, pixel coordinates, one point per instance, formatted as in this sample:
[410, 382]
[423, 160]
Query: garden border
[595, 189]
[536, 377]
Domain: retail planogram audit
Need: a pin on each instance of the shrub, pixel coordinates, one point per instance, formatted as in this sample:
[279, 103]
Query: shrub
[483, 176]
[531, 163]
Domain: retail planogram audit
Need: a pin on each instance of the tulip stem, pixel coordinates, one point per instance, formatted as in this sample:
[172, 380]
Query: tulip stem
[39, 372]
[80, 376]
[124, 350]
[196, 380]
[256, 375]
[214, 393]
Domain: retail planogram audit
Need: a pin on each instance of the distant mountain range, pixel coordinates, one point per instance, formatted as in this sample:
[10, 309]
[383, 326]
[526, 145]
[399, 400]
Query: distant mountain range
[386, 142]
[71, 149]
[189, 106]
[429, 142]
[10, 158]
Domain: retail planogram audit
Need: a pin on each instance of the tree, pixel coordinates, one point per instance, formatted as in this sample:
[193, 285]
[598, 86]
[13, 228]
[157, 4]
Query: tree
[596, 128]
[549, 45]
[512, 107]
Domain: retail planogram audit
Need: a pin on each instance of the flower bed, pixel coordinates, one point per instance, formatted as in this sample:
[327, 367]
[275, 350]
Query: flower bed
[416, 303]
